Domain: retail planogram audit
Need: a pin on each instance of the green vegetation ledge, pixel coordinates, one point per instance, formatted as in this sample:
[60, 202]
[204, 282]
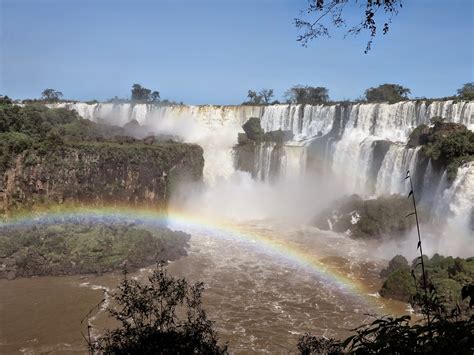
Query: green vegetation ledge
[445, 275]
[51, 156]
[448, 145]
[85, 248]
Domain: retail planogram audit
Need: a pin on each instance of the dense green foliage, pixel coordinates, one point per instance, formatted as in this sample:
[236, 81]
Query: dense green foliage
[446, 275]
[85, 247]
[467, 91]
[32, 126]
[142, 94]
[162, 316]
[390, 93]
[43, 131]
[51, 95]
[35, 120]
[389, 335]
[307, 95]
[449, 145]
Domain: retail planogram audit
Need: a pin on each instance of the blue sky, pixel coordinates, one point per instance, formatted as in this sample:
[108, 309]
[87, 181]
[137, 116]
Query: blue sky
[213, 51]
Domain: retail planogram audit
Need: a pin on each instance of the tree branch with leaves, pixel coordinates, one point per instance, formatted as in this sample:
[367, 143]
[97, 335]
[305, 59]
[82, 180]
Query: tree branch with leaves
[315, 20]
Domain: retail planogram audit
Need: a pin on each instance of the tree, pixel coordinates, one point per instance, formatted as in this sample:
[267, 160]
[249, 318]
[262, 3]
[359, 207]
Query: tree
[51, 95]
[266, 95]
[140, 93]
[397, 262]
[5, 100]
[320, 14]
[389, 335]
[307, 95]
[163, 316]
[387, 93]
[254, 98]
[155, 96]
[467, 91]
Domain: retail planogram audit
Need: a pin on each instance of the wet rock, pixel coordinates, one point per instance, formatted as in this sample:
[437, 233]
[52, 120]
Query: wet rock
[379, 218]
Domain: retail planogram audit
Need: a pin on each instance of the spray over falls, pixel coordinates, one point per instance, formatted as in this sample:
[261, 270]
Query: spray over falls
[362, 146]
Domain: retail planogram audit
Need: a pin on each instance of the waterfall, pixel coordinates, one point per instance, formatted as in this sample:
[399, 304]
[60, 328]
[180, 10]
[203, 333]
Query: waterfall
[459, 200]
[293, 163]
[391, 176]
[349, 134]
[264, 164]
[304, 121]
[455, 208]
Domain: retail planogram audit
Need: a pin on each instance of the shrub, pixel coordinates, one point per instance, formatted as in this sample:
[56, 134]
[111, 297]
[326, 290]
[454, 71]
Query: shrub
[399, 285]
[163, 316]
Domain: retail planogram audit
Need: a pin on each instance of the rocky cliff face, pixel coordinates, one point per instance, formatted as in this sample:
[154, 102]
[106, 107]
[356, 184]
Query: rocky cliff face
[99, 173]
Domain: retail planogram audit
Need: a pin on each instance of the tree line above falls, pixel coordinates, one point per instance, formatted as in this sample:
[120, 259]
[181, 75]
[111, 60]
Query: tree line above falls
[310, 95]
[298, 94]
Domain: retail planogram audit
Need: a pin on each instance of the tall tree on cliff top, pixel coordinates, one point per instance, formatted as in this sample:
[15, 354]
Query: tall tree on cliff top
[51, 95]
[467, 91]
[321, 14]
[387, 93]
[307, 95]
[140, 93]
[155, 96]
[254, 98]
[266, 95]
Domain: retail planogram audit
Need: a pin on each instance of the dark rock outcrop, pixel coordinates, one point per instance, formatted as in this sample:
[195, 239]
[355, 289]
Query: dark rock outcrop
[379, 218]
[255, 140]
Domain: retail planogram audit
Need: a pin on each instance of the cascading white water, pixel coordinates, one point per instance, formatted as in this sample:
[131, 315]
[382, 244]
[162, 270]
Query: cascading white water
[263, 163]
[391, 176]
[459, 198]
[304, 121]
[212, 127]
[354, 128]
[294, 161]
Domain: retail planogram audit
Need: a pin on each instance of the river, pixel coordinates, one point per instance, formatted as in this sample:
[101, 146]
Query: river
[266, 285]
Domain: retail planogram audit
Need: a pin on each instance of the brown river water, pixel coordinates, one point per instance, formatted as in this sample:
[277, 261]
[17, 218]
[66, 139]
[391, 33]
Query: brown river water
[261, 301]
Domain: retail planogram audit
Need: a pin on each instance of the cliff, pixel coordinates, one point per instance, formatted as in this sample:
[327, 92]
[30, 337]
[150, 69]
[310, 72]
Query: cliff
[99, 173]
[50, 156]
[256, 145]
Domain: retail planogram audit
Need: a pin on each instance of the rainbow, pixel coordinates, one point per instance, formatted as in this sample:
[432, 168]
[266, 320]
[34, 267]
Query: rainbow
[191, 223]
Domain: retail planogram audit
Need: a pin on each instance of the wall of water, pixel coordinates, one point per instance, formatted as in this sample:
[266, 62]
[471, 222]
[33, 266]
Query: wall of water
[351, 152]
